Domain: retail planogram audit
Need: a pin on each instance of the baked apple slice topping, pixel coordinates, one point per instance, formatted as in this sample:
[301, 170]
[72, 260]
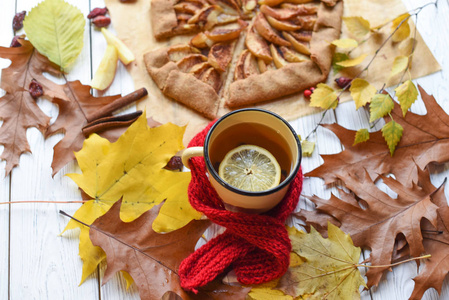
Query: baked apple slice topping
[266, 31]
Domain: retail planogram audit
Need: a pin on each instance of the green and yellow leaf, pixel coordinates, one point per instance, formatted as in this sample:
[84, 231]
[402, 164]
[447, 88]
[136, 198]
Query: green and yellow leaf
[362, 92]
[358, 26]
[403, 31]
[56, 29]
[392, 133]
[307, 148]
[407, 95]
[330, 269]
[400, 63]
[381, 105]
[362, 135]
[345, 43]
[324, 96]
[132, 169]
[352, 62]
[338, 57]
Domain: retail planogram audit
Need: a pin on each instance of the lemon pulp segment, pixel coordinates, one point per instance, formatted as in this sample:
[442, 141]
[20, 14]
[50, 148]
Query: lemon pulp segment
[250, 168]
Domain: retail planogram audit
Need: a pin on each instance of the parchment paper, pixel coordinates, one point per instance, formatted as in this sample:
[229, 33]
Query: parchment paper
[132, 23]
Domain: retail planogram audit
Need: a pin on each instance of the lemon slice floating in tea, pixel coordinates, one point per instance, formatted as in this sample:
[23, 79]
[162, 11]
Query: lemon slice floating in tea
[250, 168]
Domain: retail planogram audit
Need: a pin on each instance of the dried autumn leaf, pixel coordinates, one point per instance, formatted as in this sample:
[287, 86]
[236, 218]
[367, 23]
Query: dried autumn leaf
[352, 62]
[152, 259]
[376, 224]
[400, 63]
[358, 26]
[345, 43]
[46, 28]
[425, 140]
[132, 169]
[362, 135]
[330, 269]
[407, 95]
[403, 31]
[392, 133]
[406, 47]
[324, 96]
[307, 148]
[380, 106]
[436, 267]
[18, 109]
[361, 92]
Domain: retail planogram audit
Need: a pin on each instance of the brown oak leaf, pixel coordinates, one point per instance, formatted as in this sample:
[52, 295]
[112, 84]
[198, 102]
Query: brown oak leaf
[152, 259]
[72, 118]
[18, 109]
[373, 219]
[425, 140]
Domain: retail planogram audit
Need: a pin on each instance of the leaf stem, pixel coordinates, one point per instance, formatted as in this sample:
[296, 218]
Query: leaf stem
[44, 201]
[395, 264]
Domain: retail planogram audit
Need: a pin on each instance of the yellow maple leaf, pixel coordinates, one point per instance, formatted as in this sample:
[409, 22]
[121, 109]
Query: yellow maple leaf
[362, 92]
[330, 270]
[324, 96]
[358, 26]
[403, 31]
[131, 169]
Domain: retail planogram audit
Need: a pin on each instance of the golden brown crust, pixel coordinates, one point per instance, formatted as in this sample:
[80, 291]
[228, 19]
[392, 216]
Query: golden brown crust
[163, 18]
[172, 81]
[293, 77]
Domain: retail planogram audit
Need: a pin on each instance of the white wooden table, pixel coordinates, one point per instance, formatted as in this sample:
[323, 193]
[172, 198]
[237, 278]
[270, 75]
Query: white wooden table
[36, 263]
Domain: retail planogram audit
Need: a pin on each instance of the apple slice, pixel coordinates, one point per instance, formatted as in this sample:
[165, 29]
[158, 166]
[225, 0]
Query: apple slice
[266, 31]
[278, 60]
[223, 19]
[106, 70]
[282, 25]
[186, 64]
[278, 13]
[124, 54]
[179, 51]
[302, 36]
[206, 17]
[220, 56]
[246, 66]
[257, 45]
[198, 69]
[262, 65]
[213, 78]
[305, 9]
[249, 5]
[201, 41]
[301, 47]
[271, 2]
[226, 34]
[292, 56]
[187, 7]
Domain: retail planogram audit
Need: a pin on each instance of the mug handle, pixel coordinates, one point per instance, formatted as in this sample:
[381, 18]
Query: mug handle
[191, 152]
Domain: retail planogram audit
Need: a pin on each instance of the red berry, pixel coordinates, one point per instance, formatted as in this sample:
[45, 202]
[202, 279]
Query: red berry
[15, 42]
[17, 22]
[101, 21]
[342, 82]
[312, 89]
[307, 93]
[97, 12]
[35, 89]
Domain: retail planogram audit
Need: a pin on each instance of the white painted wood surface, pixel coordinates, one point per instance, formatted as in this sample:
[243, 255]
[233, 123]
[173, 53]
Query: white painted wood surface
[35, 263]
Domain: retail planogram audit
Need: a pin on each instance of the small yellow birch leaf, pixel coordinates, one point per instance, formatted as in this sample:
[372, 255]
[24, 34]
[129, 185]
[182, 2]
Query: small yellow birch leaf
[392, 133]
[407, 95]
[345, 43]
[324, 96]
[266, 293]
[362, 135]
[358, 26]
[352, 62]
[406, 47]
[400, 63]
[338, 57]
[330, 269]
[362, 92]
[381, 105]
[56, 29]
[403, 31]
[132, 169]
[307, 148]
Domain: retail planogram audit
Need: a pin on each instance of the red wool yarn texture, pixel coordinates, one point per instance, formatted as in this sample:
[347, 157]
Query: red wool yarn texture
[256, 246]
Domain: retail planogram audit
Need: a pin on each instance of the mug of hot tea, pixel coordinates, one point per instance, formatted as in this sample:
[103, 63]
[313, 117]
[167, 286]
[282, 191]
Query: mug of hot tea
[252, 156]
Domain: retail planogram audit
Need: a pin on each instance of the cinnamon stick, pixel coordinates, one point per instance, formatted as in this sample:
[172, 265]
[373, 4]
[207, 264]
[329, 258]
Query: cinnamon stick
[110, 122]
[107, 110]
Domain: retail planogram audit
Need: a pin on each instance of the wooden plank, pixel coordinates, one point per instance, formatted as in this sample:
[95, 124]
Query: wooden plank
[43, 265]
[6, 15]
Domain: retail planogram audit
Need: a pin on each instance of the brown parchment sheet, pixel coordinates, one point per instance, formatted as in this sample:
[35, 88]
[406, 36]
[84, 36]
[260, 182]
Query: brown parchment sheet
[132, 23]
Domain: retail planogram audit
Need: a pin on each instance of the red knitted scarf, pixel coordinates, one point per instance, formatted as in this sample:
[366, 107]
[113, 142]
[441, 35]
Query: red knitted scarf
[257, 246]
